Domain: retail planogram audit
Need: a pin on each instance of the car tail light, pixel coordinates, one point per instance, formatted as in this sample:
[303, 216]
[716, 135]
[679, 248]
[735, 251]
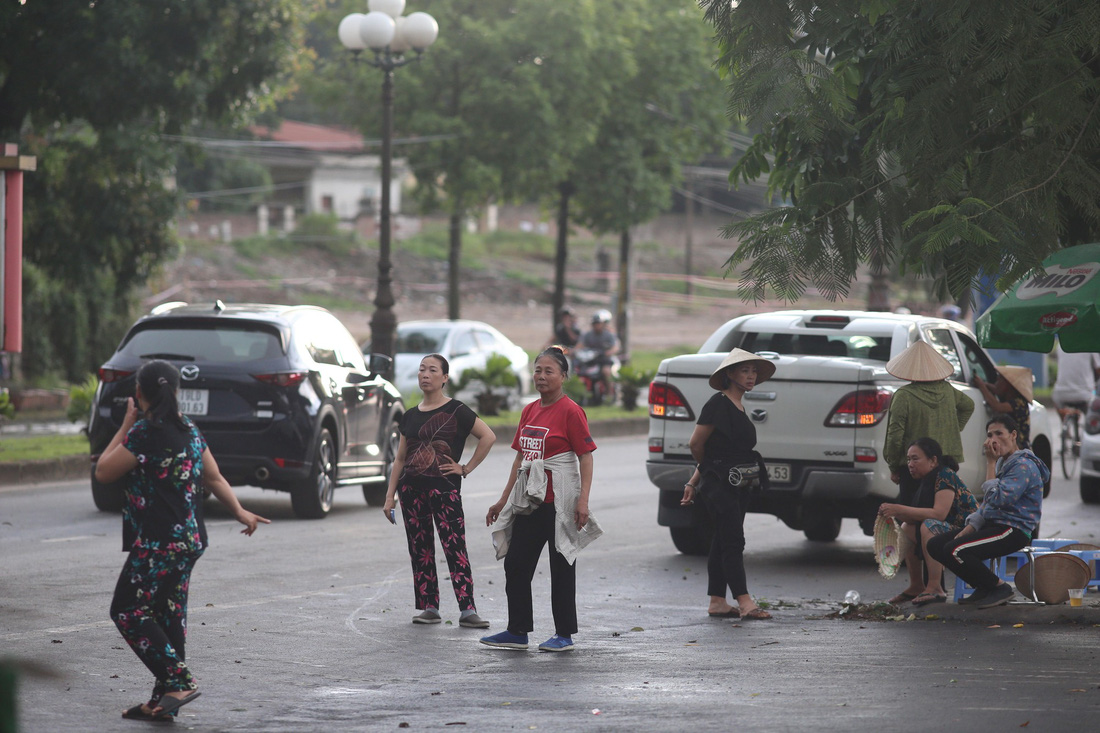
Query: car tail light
[282, 379]
[830, 321]
[866, 455]
[668, 403]
[108, 375]
[656, 445]
[861, 409]
[288, 463]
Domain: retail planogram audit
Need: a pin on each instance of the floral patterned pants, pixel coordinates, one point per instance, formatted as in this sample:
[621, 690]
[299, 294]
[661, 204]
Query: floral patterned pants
[425, 507]
[150, 610]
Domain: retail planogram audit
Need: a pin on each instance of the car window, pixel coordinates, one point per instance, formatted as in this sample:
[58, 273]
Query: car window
[487, 341]
[464, 344]
[977, 359]
[813, 344]
[332, 344]
[217, 343]
[940, 339]
[421, 340]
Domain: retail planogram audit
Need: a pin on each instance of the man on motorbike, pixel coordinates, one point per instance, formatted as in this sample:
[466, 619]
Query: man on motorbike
[603, 345]
[566, 332]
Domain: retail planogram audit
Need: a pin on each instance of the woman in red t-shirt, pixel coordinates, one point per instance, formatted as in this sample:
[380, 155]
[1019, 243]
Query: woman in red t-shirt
[553, 433]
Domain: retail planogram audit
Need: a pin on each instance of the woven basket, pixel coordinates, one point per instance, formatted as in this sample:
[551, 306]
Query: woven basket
[1055, 574]
[891, 546]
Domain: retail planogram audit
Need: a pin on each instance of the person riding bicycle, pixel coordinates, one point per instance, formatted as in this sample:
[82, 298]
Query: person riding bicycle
[606, 345]
[1076, 382]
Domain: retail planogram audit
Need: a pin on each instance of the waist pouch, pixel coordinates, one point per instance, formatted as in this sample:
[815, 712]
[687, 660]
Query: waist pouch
[727, 474]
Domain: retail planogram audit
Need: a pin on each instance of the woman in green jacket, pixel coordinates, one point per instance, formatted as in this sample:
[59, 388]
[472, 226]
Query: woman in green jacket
[926, 407]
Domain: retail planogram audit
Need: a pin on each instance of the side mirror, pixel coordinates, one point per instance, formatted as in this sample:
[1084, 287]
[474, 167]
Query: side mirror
[381, 364]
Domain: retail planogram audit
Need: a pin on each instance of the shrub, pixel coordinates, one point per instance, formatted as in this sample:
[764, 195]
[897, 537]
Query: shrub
[7, 409]
[80, 400]
[574, 389]
[496, 374]
[631, 383]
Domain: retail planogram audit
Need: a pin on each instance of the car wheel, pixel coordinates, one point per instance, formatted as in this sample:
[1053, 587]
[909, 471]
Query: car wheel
[1090, 490]
[313, 499]
[822, 529]
[690, 541]
[375, 494]
[108, 497]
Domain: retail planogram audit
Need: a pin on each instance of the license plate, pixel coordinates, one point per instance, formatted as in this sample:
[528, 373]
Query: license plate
[780, 472]
[194, 401]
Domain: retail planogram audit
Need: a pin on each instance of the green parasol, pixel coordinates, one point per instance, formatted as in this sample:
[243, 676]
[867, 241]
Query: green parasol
[1063, 299]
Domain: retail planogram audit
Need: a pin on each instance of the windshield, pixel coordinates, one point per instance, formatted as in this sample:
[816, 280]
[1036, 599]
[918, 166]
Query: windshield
[859, 346]
[220, 344]
[421, 340]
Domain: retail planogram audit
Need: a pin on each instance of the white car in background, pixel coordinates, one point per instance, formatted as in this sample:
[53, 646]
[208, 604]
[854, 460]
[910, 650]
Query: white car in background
[465, 344]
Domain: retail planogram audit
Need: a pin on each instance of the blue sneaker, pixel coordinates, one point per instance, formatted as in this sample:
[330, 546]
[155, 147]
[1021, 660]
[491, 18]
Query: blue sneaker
[505, 640]
[557, 644]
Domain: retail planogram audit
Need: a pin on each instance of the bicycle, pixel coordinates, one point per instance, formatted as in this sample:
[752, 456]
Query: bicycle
[1071, 440]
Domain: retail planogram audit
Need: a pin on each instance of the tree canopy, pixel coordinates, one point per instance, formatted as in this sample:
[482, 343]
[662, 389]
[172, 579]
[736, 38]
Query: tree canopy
[92, 89]
[943, 137]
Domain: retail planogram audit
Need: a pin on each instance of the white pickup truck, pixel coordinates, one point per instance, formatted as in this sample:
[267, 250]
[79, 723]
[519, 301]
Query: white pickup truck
[820, 421]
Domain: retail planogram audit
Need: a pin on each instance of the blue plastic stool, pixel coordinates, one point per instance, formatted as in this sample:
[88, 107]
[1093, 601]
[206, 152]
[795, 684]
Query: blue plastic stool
[999, 565]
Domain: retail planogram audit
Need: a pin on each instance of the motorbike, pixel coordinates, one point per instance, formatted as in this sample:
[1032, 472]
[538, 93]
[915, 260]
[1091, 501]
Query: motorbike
[586, 365]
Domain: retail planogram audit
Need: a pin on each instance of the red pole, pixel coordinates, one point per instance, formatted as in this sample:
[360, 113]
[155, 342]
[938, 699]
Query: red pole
[13, 262]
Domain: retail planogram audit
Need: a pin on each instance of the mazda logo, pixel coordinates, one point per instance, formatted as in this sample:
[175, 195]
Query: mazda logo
[759, 415]
[189, 372]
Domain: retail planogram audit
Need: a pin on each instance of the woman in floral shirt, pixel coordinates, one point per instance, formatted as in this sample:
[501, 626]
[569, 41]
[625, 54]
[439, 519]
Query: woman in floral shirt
[169, 466]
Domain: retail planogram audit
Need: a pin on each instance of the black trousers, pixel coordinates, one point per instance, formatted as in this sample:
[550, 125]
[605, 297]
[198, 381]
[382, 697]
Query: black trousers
[530, 532]
[726, 564]
[964, 557]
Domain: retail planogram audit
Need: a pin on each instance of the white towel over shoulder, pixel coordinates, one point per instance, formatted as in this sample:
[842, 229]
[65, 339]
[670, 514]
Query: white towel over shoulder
[528, 494]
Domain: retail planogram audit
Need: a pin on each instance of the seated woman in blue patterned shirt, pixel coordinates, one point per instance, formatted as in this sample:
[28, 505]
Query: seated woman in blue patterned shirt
[941, 504]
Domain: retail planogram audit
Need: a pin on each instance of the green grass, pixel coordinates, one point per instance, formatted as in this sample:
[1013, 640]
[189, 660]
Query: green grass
[41, 447]
[649, 360]
[603, 412]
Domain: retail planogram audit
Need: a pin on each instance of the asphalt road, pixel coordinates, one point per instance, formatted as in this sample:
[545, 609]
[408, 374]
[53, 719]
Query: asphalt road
[306, 626]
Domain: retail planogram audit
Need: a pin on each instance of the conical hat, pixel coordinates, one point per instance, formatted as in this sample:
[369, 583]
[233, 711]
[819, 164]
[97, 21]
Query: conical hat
[891, 546]
[764, 368]
[920, 363]
[1020, 378]
[1055, 574]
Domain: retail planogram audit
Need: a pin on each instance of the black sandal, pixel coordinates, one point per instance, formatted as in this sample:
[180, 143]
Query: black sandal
[137, 712]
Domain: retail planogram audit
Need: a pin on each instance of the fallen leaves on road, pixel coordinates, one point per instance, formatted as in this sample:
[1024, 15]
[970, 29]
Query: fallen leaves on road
[637, 628]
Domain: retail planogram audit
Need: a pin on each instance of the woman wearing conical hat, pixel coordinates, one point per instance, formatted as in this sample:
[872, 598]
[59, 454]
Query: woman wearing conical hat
[724, 445]
[927, 407]
[1011, 395]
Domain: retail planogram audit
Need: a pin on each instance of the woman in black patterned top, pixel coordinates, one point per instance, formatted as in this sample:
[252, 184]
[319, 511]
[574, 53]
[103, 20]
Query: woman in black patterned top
[428, 478]
[169, 466]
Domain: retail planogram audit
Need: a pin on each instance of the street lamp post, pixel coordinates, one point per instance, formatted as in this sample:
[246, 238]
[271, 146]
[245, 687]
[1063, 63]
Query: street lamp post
[390, 36]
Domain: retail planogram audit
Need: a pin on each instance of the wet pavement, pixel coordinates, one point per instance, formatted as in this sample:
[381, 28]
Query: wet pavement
[306, 626]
